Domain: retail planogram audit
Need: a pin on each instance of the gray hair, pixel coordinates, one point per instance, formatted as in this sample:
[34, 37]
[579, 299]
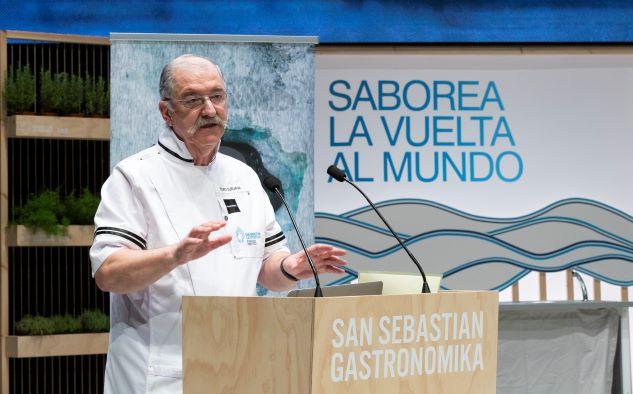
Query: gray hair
[167, 75]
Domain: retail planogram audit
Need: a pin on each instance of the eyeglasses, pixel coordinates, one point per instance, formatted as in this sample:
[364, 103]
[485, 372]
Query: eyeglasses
[195, 102]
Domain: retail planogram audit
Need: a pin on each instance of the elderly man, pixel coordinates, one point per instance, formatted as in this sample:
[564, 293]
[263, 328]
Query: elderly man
[178, 219]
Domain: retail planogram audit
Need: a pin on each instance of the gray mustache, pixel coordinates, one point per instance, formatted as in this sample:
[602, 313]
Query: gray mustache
[211, 121]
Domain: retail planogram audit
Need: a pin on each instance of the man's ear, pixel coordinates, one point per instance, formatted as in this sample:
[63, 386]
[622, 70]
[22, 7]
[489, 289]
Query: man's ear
[165, 112]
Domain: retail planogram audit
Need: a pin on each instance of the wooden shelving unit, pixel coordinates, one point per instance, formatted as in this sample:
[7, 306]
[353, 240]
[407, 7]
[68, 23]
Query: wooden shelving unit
[56, 345]
[17, 132]
[19, 235]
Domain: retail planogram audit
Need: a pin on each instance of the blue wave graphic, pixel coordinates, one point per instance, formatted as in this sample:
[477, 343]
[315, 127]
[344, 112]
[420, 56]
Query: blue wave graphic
[587, 235]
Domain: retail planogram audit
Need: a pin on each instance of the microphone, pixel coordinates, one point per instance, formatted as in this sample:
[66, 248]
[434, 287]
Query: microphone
[274, 185]
[340, 176]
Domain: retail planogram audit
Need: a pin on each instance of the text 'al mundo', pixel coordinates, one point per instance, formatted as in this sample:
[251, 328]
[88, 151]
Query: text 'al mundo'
[406, 345]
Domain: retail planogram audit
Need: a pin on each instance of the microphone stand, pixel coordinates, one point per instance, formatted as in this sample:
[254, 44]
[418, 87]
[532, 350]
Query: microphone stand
[317, 291]
[425, 285]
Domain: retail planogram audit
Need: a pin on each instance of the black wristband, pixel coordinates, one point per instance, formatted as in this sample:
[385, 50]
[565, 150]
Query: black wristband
[286, 273]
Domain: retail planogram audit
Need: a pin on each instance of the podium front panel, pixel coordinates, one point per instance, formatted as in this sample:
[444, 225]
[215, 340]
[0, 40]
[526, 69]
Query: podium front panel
[431, 343]
[247, 345]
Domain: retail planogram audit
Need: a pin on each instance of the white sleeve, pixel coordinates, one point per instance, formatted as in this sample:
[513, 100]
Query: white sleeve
[120, 221]
[275, 239]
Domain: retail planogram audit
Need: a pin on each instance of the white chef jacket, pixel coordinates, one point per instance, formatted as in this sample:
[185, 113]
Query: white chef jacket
[153, 199]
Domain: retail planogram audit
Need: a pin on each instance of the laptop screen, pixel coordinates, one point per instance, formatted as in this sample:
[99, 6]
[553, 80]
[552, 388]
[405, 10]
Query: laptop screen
[353, 289]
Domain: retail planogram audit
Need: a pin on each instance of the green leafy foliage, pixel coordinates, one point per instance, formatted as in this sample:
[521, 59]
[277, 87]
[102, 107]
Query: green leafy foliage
[90, 95]
[95, 321]
[66, 324]
[82, 209]
[88, 321]
[65, 94]
[35, 325]
[61, 85]
[73, 94]
[96, 96]
[45, 212]
[51, 91]
[61, 93]
[20, 90]
[102, 104]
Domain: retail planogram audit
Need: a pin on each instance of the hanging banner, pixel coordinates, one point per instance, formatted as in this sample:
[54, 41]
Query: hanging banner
[489, 165]
[270, 81]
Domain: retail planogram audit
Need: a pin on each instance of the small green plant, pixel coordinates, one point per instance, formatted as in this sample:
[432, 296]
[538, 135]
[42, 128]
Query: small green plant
[82, 209]
[72, 94]
[20, 90]
[102, 97]
[96, 96]
[51, 91]
[35, 325]
[95, 321]
[90, 95]
[88, 321]
[45, 212]
[65, 324]
[61, 85]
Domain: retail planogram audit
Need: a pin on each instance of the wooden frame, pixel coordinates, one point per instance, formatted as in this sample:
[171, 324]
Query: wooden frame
[53, 37]
[4, 213]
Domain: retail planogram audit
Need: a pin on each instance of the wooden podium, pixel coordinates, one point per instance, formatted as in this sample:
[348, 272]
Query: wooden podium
[431, 343]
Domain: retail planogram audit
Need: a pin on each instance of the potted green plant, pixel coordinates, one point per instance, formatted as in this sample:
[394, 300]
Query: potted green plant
[90, 96]
[44, 212]
[94, 321]
[102, 94]
[72, 95]
[88, 321]
[50, 92]
[82, 209]
[19, 91]
[96, 97]
[66, 324]
[34, 325]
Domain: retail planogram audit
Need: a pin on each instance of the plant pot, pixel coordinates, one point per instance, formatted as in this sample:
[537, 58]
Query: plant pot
[64, 127]
[19, 346]
[77, 235]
